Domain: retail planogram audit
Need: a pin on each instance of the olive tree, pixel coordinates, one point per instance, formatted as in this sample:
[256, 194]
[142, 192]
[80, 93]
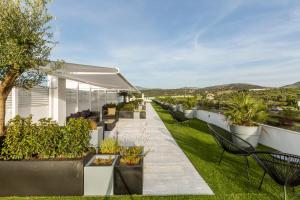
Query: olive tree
[25, 46]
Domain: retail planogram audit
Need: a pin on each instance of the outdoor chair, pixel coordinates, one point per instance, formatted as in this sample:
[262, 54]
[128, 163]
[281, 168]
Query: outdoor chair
[232, 144]
[283, 168]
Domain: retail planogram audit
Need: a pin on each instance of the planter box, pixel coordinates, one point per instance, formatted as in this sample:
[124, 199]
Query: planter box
[142, 115]
[189, 114]
[249, 133]
[128, 179]
[42, 177]
[111, 134]
[126, 114]
[96, 136]
[98, 180]
[136, 115]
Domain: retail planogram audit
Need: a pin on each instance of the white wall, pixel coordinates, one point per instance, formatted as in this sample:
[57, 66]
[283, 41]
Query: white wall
[281, 139]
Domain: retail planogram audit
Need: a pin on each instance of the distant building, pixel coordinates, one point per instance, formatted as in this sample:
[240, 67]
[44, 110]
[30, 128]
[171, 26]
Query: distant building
[210, 96]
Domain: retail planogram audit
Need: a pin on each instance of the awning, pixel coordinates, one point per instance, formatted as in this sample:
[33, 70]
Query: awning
[105, 77]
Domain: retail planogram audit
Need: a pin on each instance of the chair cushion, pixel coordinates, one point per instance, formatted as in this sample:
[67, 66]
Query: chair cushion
[111, 111]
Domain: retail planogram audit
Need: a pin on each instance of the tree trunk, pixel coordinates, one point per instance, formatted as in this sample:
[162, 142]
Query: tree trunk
[2, 114]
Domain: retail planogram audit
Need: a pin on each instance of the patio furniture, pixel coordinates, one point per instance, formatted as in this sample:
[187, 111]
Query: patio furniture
[86, 114]
[109, 124]
[109, 112]
[283, 168]
[231, 144]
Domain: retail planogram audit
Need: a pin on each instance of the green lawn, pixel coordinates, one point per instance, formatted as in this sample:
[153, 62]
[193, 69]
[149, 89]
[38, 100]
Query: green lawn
[227, 180]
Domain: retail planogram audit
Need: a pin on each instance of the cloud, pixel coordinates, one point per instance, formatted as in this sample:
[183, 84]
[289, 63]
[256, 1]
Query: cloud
[232, 45]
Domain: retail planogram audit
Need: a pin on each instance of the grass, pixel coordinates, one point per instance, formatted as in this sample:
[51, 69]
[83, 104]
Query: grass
[227, 181]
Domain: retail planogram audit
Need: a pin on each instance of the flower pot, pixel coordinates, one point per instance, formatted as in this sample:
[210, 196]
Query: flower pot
[126, 114]
[249, 133]
[142, 115]
[136, 115]
[128, 179]
[98, 180]
[189, 114]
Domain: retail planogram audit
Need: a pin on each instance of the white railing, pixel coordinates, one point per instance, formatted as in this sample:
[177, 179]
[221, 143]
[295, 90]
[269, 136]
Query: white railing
[281, 139]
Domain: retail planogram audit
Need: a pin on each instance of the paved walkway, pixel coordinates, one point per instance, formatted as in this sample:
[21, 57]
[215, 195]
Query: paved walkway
[167, 171]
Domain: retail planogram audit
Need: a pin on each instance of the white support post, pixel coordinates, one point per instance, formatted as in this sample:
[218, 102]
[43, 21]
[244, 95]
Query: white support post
[90, 97]
[57, 99]
[14, 102]
[77, 98]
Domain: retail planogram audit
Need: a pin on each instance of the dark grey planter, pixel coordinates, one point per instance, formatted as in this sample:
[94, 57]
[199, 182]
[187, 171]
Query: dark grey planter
[126, 114]
[142, 115]
[42, 177]
[128, 179]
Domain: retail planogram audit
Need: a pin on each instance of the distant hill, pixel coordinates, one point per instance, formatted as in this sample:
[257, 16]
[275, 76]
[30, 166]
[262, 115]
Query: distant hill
[196, 90]
[295, 85]
[232, 86]
[141, 88]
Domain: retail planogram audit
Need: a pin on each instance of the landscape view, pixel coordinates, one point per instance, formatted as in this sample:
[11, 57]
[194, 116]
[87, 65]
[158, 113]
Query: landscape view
[150, 99]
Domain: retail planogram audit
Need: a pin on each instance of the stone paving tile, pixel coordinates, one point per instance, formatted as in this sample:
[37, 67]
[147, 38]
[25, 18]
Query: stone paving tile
[167, 171]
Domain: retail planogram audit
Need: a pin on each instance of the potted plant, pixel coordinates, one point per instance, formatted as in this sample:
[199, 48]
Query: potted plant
[243, 113]
[98, 175]
[128, 173]
[143, 114]
[44, 158]
[126, 111]
[109, 146]
[96, 134]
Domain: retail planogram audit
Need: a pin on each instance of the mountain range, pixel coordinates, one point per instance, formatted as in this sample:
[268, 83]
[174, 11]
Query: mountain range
[192, 90]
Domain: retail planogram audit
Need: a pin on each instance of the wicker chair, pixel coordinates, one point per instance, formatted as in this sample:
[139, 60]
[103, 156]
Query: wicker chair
[232, 144]
[283, 168]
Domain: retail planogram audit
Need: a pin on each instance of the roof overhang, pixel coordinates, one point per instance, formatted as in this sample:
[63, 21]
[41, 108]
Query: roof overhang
[105, 77]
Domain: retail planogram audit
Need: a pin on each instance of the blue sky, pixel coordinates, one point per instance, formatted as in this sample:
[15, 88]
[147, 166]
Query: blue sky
[178, 43]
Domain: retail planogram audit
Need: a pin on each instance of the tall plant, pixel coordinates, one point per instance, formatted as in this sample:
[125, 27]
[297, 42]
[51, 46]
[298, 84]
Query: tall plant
[244, 110]
[25, 45]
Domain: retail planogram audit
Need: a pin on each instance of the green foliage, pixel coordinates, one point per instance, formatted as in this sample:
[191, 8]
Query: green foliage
[25, 40]
[76, 138]
[131, 155]
[245, 110]
[109, 146]
[45, 139]
[126, 106]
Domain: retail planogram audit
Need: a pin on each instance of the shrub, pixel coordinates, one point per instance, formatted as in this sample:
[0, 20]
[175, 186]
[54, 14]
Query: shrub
[178, 116]
[75, 139]
[45, 139]
[92, 124]
[109, 146]
[127, 107]
[244, 110]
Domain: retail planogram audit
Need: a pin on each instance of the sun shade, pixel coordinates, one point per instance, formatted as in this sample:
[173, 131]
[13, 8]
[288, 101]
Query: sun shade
[106, 77]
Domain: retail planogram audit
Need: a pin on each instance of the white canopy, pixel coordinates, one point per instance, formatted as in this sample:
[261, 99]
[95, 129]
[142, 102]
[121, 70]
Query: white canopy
[105, 77]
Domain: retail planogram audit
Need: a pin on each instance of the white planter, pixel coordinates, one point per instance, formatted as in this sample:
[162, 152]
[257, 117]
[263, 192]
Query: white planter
[98, 180]
[111, 134]
[136, 115]
[189, 114]
[179, 108]
[96, 136]
[249, 133]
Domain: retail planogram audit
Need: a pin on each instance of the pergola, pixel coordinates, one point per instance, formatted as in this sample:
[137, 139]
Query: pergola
[106, 79]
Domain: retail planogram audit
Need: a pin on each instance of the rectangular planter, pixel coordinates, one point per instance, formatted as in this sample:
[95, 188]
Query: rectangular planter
[142, 115]
[126, 114]
[128, 179]
[42, 177]
[96, 136]
[136, 115]
[98, 180]
[111, 134]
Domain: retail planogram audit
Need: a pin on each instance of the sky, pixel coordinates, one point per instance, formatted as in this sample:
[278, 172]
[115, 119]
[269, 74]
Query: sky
[182, 43]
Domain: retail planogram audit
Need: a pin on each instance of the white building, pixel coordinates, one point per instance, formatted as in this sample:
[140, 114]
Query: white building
[70, 89]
